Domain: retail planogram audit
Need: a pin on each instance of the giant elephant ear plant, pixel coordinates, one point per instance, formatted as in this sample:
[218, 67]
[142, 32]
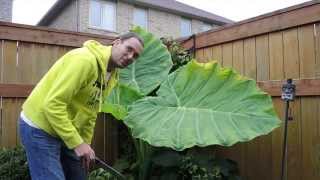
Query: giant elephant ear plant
[200, 104]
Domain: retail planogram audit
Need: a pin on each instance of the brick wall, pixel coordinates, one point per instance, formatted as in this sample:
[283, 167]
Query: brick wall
[6, 10]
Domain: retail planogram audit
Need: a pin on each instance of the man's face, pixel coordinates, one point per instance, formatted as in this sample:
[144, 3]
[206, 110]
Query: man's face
[125, 52]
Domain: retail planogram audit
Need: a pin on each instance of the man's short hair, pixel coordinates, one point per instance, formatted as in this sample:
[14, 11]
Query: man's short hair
[129, 35]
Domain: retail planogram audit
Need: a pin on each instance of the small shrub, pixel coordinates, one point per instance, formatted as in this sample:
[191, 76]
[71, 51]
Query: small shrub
[13, 164]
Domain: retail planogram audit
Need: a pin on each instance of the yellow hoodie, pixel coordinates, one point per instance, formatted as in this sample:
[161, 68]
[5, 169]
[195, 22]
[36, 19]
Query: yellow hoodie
[67, 99]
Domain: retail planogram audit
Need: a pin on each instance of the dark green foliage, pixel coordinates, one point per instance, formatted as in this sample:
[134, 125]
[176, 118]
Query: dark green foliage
[192, 165]
[100, 174]
[13, 164]
[179, 55]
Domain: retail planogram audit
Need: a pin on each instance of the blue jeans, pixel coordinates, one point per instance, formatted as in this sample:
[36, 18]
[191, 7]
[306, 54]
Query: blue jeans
[48, 157]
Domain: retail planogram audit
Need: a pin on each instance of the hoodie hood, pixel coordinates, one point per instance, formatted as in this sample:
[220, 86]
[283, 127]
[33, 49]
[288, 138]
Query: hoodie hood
[101, 52]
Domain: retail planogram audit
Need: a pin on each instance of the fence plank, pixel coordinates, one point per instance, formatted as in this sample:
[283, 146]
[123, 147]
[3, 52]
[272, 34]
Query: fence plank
[207, 54]
[291, 53]
[306, 51]
[277, 141]
[1, 60]
[237, 63]
[10, 71]
[252, 147]
[309, 117]
[291, 69]
[9, 123]
[249, 53]
[308, 105]
[217, 54]
[262, 53]
[227, 55]
[237, 56]
[317, 49]
[199, 55]
[276, 73]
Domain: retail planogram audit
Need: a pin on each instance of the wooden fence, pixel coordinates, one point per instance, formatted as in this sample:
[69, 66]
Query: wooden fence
[271, 48]
[26, 54]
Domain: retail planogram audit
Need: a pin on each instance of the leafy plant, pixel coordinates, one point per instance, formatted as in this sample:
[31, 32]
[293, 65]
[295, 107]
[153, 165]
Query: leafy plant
[192, 164]
[13, 164]
[101, 174]
[198, 104]
[179, 55]
[202, 104]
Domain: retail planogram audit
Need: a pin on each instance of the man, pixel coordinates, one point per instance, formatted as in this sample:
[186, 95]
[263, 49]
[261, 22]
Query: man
[58, 118]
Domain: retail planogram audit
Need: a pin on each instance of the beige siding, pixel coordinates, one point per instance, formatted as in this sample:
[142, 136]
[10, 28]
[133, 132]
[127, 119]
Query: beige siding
[67, 19]
[160, 23]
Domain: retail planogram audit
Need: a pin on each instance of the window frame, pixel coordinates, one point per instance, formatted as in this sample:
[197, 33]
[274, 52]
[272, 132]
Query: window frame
[183, 19]
[146, 16]
[101, 3]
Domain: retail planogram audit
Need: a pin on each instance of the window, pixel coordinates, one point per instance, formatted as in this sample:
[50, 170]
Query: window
[185, 27]
[103, 15]
[206, 27]
[140, 17]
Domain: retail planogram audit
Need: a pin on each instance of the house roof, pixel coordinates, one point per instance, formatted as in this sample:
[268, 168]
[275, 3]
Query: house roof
[171, 6]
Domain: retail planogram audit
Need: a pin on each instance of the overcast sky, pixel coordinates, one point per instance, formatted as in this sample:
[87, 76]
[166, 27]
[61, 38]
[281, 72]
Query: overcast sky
[31, 11]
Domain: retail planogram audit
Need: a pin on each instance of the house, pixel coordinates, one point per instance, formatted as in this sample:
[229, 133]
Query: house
[164, 18]
[6, 10]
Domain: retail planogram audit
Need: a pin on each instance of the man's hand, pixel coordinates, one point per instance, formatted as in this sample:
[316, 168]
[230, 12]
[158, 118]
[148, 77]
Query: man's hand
[86, 153]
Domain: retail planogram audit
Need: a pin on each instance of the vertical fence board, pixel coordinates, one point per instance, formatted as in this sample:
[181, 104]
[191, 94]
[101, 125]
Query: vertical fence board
[308, 104]
[217, 54]
[291, 53]
[237, 56]
[18, 108]
[207, 54]
[276, 56]
[238, 65]
[310, 139]
[25, 63]
[1, 60]
[199, 55]
[277, 140]
[262, 54]
[9, 123]
[39, 61]
[276, 73]
[227, 55]
[291, 69]
[250, 70]
[306, 51]
[10, 71]
[317, 49]
[249, 53]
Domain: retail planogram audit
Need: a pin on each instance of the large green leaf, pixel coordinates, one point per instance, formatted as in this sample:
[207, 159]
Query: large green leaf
[203, 104]
[141, 77]
[151, 68]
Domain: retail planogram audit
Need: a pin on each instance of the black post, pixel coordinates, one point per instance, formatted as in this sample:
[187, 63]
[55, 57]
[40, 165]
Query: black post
[284, 147]
[288, 94]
